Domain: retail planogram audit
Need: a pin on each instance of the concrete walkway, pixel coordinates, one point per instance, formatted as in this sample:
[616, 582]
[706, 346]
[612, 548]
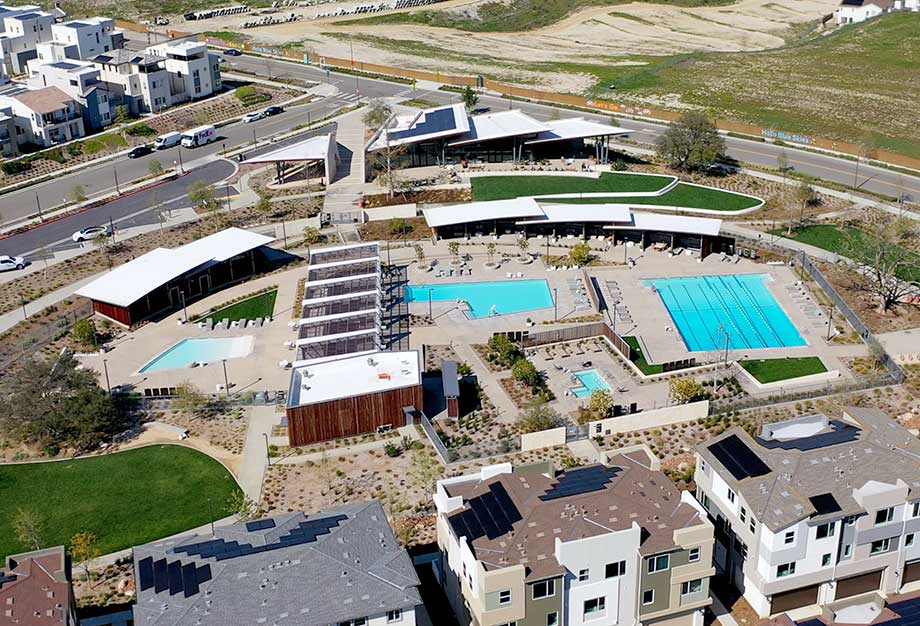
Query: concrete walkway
[342, 193]
[255, 452]
[379, 444]
[723, 615]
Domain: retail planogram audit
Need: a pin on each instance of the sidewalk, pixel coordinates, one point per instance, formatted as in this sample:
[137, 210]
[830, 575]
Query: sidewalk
[405, 431]
[255, 452]
[342, 194]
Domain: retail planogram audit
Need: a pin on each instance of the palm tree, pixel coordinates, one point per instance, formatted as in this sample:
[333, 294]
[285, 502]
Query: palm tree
[490, 250]
[523, 245]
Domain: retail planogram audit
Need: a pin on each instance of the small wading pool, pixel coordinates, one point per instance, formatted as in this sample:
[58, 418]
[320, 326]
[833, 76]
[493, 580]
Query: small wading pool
[590, 380]
[204, 350]
[488, 299]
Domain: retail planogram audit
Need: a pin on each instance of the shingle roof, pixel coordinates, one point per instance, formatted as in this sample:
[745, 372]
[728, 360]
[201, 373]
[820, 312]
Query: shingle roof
[44, 100]
[290, 570]
[35, 588]
[817, 467]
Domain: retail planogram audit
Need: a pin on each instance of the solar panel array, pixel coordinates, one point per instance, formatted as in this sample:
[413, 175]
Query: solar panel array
[260, 524]
[578, 481]
[491, 515]
[840, 433]
[162, 575]
[738, 459]
[435, 122]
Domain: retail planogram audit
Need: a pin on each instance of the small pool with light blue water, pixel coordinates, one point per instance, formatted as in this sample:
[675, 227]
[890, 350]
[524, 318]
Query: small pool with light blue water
[203, 350]
[590, 380]
[487, 299]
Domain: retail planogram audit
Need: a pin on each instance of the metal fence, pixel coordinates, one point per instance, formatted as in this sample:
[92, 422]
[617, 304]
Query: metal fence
[42, 329]
[894, 370]
[782, 396]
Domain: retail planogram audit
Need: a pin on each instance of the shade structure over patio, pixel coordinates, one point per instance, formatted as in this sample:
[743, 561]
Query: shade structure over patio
[321, 149]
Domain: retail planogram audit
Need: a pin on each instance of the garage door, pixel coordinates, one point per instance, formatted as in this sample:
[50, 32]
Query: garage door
[856, 585]
[794, 599]
[912, 572]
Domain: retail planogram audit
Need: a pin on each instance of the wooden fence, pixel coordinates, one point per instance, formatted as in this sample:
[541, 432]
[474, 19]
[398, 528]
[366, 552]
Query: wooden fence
[575, 332]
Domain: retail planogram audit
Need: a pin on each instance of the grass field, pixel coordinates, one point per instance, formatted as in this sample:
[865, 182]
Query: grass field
[772, 370]
[639, 359]
[834, 239]
[126, 498]
[506, 187]
[261, 305]
[682, 195]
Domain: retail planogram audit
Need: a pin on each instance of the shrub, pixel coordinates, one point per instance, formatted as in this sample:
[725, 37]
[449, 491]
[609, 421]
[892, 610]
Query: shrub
[538, 416]
[580, 254]
[524, 371]
[392, 450]
[140, 130]
[249, 95]
[11, 168]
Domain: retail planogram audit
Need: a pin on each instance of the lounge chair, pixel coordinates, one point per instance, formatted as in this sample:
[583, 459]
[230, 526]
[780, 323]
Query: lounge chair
[520, 274]
[509, 275]
[209, 324]
[225, 323]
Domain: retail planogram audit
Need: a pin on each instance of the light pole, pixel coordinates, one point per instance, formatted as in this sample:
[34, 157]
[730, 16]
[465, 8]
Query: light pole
[211, 515]
[830, 320]
[226, 380]
[117, 189]
[615, 305]
[39, 205]
[253, 137]
[228, 196]
[184, 310]
[105, 367]
[268, 457]
[728, 337]
[181, 167]
[430, 316]
[555, 304]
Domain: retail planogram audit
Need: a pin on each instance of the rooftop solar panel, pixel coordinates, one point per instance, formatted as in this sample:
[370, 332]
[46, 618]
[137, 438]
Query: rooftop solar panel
[261, 524]
[505, 502]
[437, 121]
[175, 577]
[189, 580]
[580, 481]
[145, 572]
[839, 433]
[738, 459]
[160, 579]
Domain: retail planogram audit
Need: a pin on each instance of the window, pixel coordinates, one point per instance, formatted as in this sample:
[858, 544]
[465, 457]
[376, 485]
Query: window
[691, 586]
[544, 589]
[583, 575]
[659, 563]
[693, 555]
[361, 621]
[909, 540]
[789, 537]
[786, 569]
[552, 619]
[826, 530]
[752, 526]
[915, 510]
[648, 596]
[825, 560]
[615, 569]
[705, 501]
[743, 550]
[743, 514]
[702, 465]
[731, 495]
[880, 546]
[849, 520]
[595, 605]
[504, 596]
[847, 550]
[394, 616]
[884, 516]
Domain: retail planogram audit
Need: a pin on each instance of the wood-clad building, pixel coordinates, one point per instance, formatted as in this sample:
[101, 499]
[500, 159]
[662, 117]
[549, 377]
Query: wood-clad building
[353, 395]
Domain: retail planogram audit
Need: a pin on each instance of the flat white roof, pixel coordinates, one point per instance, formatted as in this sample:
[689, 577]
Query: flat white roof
[424, 125]
[674, 223]
[499, 125]
[133, 280]
[581, 213]
[312, 149]
[480, 211]
[354, 376]
[576, 128]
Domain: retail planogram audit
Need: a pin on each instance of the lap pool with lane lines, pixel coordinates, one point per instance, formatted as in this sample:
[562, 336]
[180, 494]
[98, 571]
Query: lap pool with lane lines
[488, 298]
[740, 303]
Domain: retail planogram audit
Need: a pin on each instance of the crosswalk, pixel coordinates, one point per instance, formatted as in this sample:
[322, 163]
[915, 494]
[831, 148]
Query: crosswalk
[350, 98]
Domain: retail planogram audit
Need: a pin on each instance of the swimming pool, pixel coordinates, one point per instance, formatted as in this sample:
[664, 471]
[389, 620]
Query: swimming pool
[739, 307]
[590, 380]
[204, 350]
[487, 299]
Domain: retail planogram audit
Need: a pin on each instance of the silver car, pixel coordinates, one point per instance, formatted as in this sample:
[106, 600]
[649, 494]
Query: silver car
[8, 262]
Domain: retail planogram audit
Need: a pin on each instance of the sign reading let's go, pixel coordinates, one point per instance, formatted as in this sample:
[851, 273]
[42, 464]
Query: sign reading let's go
[778, 134]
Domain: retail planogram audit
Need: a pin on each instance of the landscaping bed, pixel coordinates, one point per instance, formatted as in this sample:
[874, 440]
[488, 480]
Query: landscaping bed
[383, 230]
[126, 498]
[772, 370]
[421, 195]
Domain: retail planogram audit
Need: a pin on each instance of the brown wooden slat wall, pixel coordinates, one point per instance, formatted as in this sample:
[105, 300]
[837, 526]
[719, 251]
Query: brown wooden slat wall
[453, 407]
[117, 313]
[581, 331]
[347, 417]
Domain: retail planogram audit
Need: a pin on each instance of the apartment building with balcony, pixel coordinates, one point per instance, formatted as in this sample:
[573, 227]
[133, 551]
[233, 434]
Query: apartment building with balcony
[194, 72]
[611, 543]
[80, 40]
[815, 511]
[22, 32]
[81, 80]
[136, 80]
[43, 117]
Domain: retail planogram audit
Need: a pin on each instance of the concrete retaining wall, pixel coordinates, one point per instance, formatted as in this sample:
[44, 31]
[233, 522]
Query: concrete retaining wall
[650, 419]
[801, 381]
[543, 439]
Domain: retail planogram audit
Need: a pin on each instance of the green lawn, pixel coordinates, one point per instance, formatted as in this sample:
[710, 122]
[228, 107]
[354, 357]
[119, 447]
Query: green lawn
[834, 239]
[125, 498]
[506, 187]
[261, 305]
[772, 370]
[639, 359]
[682, 195]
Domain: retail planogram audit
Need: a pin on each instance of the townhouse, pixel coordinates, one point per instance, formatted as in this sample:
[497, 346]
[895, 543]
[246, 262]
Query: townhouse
[36, 588]
[611, 543]
[136, 80]
[80, 40]
[43, 117]
[855, 11]
[814, 510]
[81, 80]
[22, 32]
[193, 71]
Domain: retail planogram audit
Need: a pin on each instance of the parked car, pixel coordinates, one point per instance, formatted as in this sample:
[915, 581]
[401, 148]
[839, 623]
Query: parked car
[8, 262]
[139, 151]
[273, 110]
[233, 52]
[91, 232]
[253, 116]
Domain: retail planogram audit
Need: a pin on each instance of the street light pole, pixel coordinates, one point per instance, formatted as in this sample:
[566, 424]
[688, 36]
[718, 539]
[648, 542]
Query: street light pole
[181, 167]
[117, 190]
[430, 316]
[268, 457]
[228, 196]
[226, 380]
[211, 515]
[39, 205]
[830, 320]
[555, 304]
[184, 310]
[105, 367]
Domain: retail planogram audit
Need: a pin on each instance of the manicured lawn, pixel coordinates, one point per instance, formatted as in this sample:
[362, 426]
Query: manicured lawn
[639, 359]
[686, 196]
[125, 498]
[505, 187]
[261, 305]
[772, 370]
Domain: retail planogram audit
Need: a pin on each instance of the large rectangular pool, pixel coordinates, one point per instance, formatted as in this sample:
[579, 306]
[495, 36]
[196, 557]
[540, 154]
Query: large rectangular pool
[487, 299]
[204, 350]
[737, 308]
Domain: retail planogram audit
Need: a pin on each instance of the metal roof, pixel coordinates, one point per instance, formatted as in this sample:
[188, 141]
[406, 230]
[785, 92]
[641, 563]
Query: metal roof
[516, 208]
[500, 125]
[576, 128]
[312, 149]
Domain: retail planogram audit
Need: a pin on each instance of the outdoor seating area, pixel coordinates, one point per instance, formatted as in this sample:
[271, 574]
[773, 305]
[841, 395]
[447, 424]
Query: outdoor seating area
[579, 293]
[225, 324]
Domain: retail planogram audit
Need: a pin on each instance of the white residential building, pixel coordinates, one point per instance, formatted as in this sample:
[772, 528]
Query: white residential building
[44, 117]
[855, 11]
[81, 81]
[815, 511]
[80, 40]
[193, 71]
[136, 80]
[22, 32]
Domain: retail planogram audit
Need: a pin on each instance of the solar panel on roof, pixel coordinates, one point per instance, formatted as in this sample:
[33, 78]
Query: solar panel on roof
[145, 572]
[261, 524]
[175, 577]
[580, 481]
[160, 578]
[437, 121]
[505, 502]
[738, 459]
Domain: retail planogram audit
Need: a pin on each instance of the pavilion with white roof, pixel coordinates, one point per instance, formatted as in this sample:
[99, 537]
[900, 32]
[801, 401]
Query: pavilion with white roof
[314, 157]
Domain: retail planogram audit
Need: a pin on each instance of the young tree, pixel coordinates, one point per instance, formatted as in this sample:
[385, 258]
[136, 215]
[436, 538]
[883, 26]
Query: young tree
[376, 117]
[84, 547]
[490, 252]
[27, 526]
[691, 143]
[523, 246]
[311, 237]
[419, 254]
[425, 470]
[600, 404]
[580, 254]
[189, 400]
[503, 347]
[454, 249]
[400, 227]
[202, 196]
[537, 416]
[684, 390]
[264, 203]
[470, 99]
[84, 333]
[782, 164]
[806, 196]
[77, 194]
[377, 114]
[155, 168]
[122, 115]
[883, 263]
[525, 372]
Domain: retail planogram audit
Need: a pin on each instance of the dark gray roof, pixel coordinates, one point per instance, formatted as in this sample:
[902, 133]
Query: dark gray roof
[120, 56]
[449, 379]
[809, 467]
[294, 569]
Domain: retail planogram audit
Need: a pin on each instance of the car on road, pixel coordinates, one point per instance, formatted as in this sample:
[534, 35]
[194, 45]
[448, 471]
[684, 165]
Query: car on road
[253, 116]
[233, 52]
[91, 232]
[273, 110]
[139, 151]
[8, 262]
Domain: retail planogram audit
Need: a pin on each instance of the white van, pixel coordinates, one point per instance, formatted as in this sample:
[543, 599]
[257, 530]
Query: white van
[198, 136]
[167, 141]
